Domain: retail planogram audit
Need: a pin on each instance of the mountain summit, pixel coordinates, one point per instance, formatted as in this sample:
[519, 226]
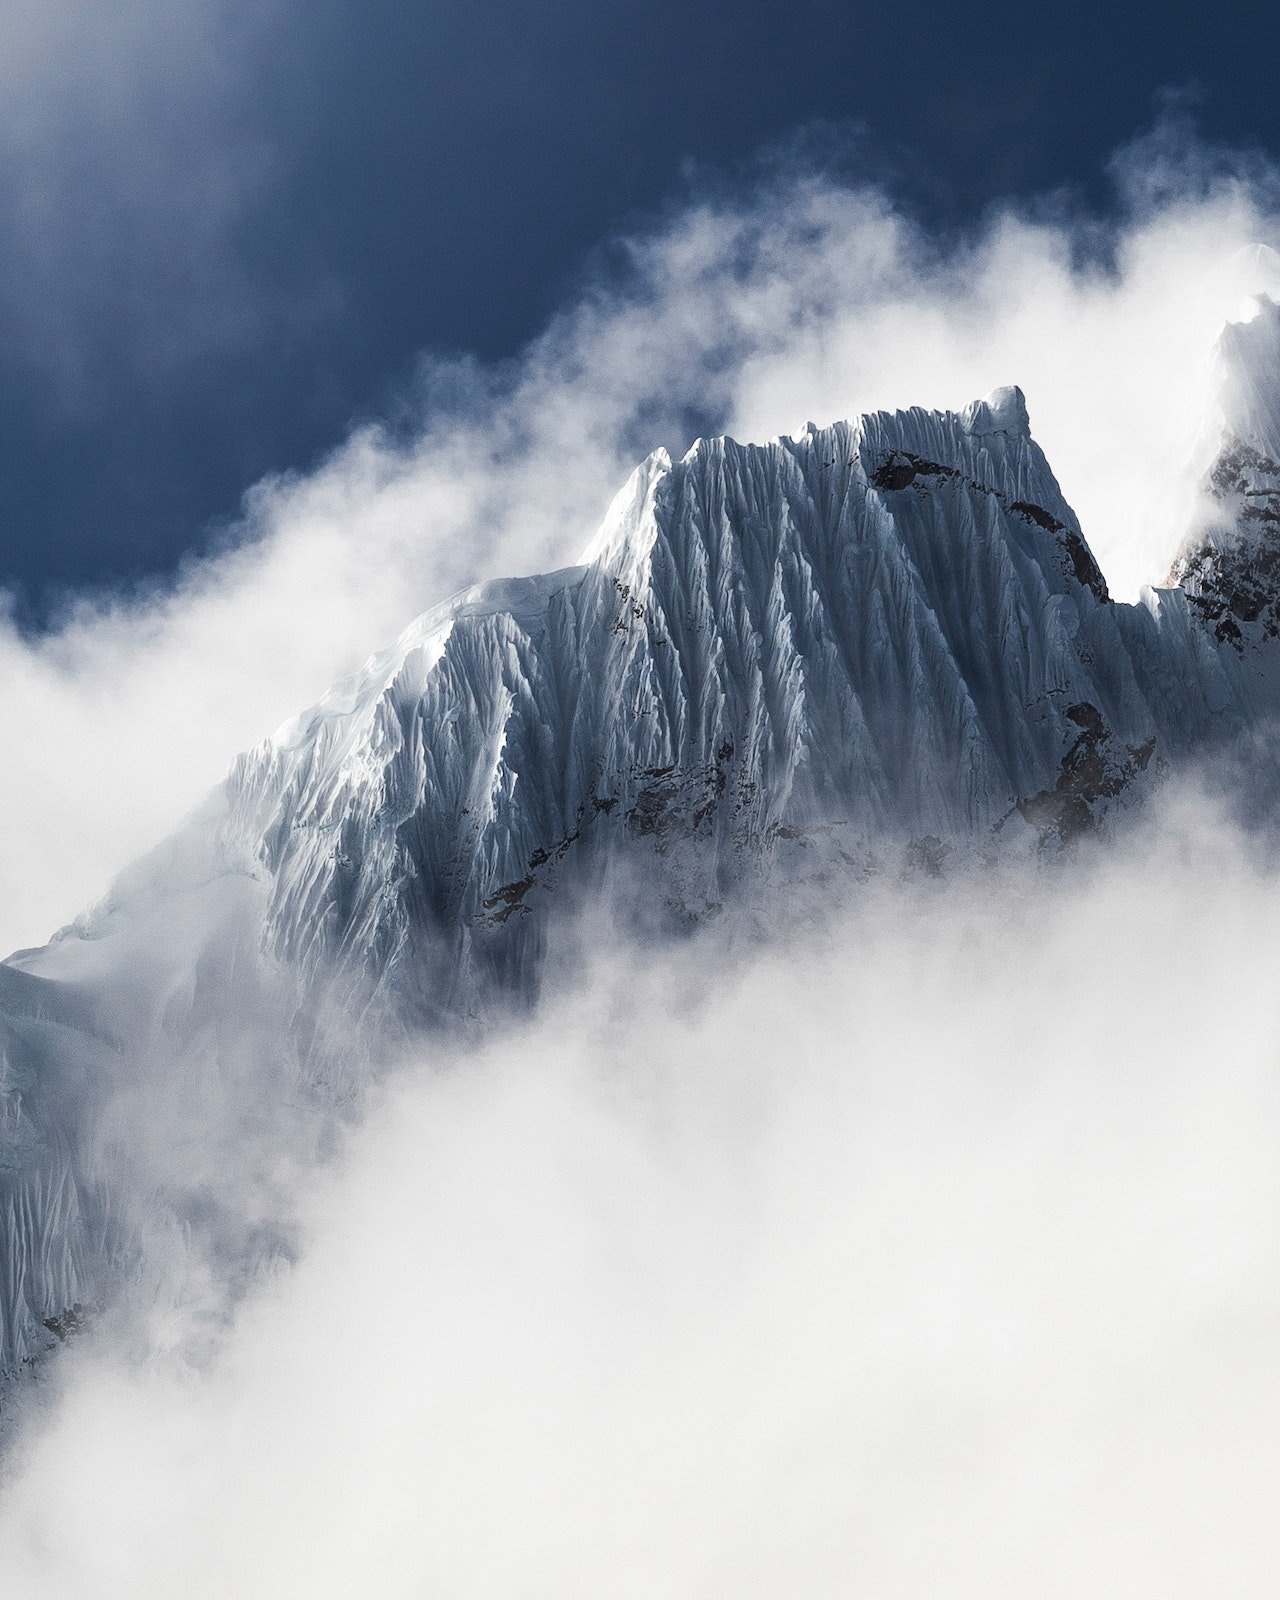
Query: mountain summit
[867, 648]
[1230, 568]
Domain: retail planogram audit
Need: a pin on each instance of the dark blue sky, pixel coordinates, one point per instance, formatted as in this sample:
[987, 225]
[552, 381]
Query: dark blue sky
[222, 243]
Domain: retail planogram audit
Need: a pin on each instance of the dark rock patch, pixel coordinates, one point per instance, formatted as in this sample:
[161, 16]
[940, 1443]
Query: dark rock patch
[1092, 772]
[899, 470]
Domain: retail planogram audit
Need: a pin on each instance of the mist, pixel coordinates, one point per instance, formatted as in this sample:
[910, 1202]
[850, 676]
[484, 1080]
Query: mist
[924, 1243]
[748, 308]
[929, 1249]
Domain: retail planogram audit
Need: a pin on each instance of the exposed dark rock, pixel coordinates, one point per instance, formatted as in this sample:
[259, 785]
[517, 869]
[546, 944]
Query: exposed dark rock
[1091, 772]
[899, 470]
[1084, 568]
[508, 899]
[1232, 577]
[927, 855]
[674, 804]
[68, 1323]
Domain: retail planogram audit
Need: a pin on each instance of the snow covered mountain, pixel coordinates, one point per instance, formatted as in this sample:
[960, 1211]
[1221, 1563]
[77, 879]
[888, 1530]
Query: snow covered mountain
[861, 649]
[1230, 570]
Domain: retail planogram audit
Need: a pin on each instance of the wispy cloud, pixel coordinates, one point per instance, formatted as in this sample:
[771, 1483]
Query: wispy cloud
[750, 311]
[889, 1259]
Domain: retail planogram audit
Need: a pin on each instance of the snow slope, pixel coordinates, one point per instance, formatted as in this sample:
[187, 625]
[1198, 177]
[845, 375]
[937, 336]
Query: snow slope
[859, 649]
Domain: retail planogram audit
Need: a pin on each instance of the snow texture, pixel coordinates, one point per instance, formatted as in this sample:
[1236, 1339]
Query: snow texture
[875, 643]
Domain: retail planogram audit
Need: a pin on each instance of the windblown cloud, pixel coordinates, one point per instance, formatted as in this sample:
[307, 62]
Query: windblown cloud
[934, 1252]
[747, 312]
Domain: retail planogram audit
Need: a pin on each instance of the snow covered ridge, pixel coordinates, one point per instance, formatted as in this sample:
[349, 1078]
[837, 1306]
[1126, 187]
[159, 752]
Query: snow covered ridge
[886, 627]
[1230, 569]
[864, 649]
[771, 656]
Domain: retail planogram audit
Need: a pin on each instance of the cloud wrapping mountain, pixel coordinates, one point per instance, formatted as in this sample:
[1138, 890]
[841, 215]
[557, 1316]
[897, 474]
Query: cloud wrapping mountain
[887, 1159]
[743, 313]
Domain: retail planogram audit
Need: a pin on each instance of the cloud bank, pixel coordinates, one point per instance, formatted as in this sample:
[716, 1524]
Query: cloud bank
[746, 311]
[934, 1252]
[931, 1252]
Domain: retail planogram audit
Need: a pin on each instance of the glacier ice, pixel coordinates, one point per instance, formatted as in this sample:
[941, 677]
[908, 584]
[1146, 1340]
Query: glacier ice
[884, 639]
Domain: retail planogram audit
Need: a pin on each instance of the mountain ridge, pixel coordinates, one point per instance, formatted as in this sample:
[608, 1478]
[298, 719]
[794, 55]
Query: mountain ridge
[865, 647]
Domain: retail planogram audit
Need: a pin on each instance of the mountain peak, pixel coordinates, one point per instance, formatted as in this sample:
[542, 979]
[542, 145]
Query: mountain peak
[1229, 567]
[866, 650]
[1004, 410]
[1249, 364]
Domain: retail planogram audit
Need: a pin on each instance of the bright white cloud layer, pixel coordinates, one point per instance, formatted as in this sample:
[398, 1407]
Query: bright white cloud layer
[934, 1254]
[804, 298]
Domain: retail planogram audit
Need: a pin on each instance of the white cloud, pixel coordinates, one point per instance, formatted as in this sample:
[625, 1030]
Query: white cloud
[804, 298]
[932, 1253]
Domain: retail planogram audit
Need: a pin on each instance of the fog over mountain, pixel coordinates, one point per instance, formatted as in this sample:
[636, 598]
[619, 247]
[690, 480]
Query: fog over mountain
[743, 1064]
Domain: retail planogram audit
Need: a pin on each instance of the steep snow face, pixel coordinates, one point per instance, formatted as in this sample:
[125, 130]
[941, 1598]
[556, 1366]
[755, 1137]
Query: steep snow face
[1230, 568]
[891, 627]
[1249, 361]
[864, 648]
[53, 1218]
[887, 635]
